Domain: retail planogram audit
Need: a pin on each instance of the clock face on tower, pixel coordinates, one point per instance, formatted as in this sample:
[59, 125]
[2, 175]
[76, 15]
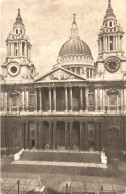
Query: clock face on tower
[112, 65]
[13, 68]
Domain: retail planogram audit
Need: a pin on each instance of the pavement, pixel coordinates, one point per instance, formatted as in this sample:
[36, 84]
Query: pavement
[53, 179]
[58, 183]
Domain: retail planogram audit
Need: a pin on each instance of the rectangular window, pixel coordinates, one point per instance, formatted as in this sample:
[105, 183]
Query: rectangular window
[113, 100]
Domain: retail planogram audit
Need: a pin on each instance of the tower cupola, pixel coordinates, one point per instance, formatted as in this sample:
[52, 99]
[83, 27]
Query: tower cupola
[110, 35]
[18, 66]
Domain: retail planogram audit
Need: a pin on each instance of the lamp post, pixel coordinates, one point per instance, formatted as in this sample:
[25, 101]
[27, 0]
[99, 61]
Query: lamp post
[18, 182]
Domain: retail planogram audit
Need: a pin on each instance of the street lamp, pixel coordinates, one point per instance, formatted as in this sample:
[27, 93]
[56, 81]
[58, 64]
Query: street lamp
[18, 182]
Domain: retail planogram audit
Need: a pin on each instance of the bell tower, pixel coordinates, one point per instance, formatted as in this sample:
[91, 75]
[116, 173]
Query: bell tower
[110, 49]
[18, 66]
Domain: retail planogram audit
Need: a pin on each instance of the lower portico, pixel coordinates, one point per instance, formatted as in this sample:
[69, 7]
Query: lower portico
[62, 135]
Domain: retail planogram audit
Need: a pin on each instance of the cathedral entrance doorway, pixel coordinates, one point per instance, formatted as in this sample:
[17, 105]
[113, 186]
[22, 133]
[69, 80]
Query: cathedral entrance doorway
[61, 134]
[33, 144]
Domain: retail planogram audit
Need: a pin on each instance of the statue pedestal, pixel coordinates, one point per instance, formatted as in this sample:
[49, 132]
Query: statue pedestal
[41, 190]
[103, 158]
[124, 191]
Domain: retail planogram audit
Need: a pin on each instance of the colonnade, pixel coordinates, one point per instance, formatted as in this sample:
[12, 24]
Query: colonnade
[68, 98]
[17, 48]
[104, 43]
[84, 142]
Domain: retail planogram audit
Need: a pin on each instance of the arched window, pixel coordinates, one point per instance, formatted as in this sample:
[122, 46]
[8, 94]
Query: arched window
[110, 24]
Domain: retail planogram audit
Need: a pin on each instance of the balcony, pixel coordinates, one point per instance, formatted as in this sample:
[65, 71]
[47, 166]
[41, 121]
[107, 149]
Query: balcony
[113, 109]
[13, 110]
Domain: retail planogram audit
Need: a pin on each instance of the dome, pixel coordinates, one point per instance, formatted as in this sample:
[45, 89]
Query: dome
[75, 53]
[75, 46]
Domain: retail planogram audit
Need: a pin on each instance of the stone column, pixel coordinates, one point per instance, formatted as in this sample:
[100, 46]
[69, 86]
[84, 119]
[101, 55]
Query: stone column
[125, 99]
[97, 137]
[86, 97]
[36, 136]
[101, 98]
[26, 135]
[23, 103]
[106, 44]
[18, 49]
[96, 99]
[71, 135]
[109, 43]
[86, 137]
[66, 135]
[50, 100]
[40, 135]
[40, 98]
[71, 100]
[81, 136]
[100, 45]
[1, 96]
[119, 42]
[50, 135]
[12, 49]
[54, 99]
[5, 102]
[27, 100]
[21, 49]
[122, 100]
[36, 103]
[43, 136]
[66, 100]
[25, 49]
[23, 135]
[116, 42]
[54, 135]
[81, 99]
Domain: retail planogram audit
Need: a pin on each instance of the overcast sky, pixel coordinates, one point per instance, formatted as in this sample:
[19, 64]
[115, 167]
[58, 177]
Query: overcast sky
[48, 24]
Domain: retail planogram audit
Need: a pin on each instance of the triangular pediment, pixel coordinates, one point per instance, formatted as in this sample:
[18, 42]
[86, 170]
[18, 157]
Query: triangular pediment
[59, 74]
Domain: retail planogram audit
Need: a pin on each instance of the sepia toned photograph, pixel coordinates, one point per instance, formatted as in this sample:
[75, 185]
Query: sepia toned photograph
[63, 96]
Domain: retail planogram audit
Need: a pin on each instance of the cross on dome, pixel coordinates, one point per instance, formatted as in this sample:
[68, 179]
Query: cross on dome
[74, 21]
[109, 2]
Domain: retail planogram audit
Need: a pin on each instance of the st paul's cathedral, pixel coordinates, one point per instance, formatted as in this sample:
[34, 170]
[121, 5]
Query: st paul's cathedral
[79, 106]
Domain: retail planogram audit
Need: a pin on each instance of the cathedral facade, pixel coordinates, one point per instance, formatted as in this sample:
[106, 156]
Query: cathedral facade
[80, 105]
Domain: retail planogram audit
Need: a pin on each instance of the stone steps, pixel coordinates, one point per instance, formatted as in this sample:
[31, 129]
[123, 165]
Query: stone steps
[61, 157]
